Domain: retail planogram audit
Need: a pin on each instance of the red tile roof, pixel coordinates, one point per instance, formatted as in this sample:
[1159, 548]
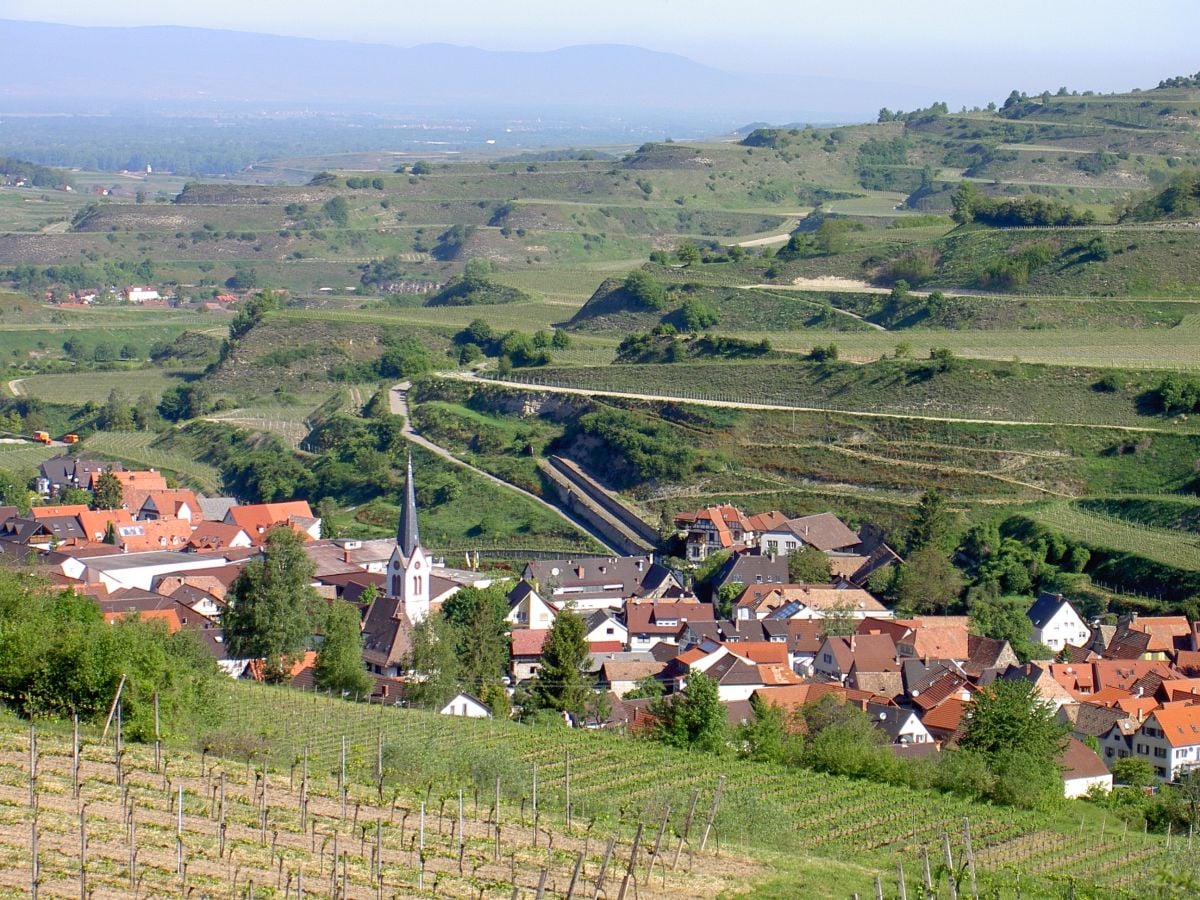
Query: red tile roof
[1180, 725]
[528, 641]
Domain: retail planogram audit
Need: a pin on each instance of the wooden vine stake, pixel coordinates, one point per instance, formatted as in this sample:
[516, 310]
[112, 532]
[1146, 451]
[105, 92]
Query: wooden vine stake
[83, 891]
[951, 875]
[612, 842]
[970, 852]
[712, 812]
[629, 869]
[75, 755]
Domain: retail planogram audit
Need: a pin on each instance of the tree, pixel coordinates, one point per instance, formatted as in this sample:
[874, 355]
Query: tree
[339, 663]
[932, 523]
[927, 582]
[1133, 772]
[1018, 734]
[688, 253]
[433, 662]
[272, 606]
[559, 683]
[1005, 619]
[809, 566]
[108, 493]
[481, 635]
[765, 737]
[646, 687]
[13, 494]
[694, 718]
[839, 619]
[116, 415]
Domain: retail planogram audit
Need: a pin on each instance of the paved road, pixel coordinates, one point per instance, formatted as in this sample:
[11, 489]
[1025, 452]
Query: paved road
[778, 407]
[398, 405]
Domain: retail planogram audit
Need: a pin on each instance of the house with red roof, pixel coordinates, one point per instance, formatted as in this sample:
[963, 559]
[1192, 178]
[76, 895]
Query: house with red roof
[1169, 740]
[259, 518]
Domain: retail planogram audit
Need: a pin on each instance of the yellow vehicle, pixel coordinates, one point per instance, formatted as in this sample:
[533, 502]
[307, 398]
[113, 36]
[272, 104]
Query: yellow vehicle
[42, 437]
[71, 439]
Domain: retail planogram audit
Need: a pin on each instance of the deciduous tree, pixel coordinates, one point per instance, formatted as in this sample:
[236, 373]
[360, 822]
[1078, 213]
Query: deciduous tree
[340, 663]
[694, 718]
[272, 606]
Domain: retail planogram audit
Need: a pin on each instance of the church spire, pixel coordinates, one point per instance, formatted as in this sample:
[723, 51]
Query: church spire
[407, 536]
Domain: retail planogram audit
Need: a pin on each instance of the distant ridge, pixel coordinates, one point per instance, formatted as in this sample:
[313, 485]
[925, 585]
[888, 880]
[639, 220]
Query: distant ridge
[43, 62]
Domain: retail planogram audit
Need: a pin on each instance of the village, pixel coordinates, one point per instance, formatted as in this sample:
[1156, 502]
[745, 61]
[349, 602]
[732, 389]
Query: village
[1129, 690]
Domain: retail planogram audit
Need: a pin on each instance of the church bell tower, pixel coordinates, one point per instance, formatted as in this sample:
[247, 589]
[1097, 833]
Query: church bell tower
[408, 568]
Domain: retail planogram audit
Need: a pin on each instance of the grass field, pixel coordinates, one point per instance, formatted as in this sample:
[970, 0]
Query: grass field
[137, 448]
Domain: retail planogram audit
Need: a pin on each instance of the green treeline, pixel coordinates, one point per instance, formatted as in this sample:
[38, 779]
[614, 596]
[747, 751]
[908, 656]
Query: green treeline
[970, 205]
[59, 656]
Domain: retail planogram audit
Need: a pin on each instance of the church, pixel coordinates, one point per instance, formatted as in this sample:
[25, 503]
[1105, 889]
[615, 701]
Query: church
[408, 569]
[387, 631]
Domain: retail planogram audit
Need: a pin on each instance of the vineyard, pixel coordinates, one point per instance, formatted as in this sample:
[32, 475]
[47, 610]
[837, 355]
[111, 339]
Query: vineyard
[1172, 547]
[308, 793]
[607, 783]
[137, 448]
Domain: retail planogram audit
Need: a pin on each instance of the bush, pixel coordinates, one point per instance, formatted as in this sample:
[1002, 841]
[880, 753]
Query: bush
[648, 292]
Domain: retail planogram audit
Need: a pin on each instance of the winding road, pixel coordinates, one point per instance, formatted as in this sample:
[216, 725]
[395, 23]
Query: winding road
[398, 406]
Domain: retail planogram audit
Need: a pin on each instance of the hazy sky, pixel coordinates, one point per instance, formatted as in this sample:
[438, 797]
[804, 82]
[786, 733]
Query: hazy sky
[969, 49]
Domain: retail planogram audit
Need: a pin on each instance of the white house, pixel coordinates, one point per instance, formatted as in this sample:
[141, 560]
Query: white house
[141, 294]
[527, 609]
[824, 532]
[901, 725]
[1055, 623]
[137, 570]
[1083, 770]
[604, 627]
[1170, 741]
[466, 706]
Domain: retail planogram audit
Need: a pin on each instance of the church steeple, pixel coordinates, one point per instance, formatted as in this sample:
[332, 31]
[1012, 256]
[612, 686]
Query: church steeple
[408, 538]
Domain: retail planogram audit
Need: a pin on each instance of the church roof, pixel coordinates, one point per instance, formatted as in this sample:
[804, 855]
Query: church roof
[407, 536]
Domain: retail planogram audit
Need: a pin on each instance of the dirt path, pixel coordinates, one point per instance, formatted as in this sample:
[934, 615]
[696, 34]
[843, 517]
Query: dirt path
[778, 407]
[398, 406]
[17, 386]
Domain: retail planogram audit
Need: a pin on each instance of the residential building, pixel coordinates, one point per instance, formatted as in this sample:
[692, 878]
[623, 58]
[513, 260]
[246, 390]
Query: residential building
[1055, 623]
[824, 532]
[467, 706]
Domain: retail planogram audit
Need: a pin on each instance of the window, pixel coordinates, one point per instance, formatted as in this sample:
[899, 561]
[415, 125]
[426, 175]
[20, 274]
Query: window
[1160, 753]
[827, 658]
[1160, 771]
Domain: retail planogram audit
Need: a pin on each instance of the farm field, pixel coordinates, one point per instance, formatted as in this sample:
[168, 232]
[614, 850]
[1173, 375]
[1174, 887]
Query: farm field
[137, 449]
[1180, 549]
[616, 783]
[980, 391]
[225, 827]
[21, 459]
[94, 387]
[1127, 348]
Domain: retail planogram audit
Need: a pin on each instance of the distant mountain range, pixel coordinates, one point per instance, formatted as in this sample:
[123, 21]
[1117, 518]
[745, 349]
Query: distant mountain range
[44, 64]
